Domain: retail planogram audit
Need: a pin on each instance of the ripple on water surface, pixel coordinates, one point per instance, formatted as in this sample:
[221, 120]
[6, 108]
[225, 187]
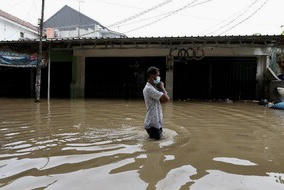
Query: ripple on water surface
[92, 144]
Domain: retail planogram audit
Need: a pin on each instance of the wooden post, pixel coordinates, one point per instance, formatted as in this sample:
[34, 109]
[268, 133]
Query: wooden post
[39, 62]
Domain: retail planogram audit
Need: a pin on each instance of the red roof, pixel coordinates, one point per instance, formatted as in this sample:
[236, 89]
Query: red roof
[17, 20]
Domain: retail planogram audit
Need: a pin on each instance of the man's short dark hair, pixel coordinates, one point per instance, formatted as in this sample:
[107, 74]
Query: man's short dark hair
[152, 71]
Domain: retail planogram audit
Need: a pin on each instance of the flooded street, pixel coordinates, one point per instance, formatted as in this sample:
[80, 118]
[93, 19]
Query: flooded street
[101, 144]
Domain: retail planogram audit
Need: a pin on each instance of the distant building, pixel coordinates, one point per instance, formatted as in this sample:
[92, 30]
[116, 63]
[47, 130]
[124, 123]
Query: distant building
[68, 22]
[13, 28]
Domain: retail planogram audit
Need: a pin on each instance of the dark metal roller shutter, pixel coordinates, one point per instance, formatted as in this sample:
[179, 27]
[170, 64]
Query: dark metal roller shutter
[215, 78]
[119, 77]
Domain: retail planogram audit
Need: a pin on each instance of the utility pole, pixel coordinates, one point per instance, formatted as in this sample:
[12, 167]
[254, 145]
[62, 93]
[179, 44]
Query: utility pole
[39, 61]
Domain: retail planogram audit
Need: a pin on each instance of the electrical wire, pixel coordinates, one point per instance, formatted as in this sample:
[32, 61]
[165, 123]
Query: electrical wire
[169, 14]
[144, 19]
[140, 14]
[245, 18]
[160, 15]
[234, 19]
[133, 17]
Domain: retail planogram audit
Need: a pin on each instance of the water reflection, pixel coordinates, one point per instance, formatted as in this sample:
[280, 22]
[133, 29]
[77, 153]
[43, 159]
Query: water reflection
[101, 144]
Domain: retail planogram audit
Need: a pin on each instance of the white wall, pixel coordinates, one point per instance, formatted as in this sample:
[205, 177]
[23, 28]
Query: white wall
[12, 31]
[85, 34]
[97, 32]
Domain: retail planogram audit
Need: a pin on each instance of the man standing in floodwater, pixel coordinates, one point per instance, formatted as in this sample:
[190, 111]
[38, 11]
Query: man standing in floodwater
[154, 93]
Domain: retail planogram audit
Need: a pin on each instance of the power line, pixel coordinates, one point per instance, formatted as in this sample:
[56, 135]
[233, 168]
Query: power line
[133, 17]
[245, 18]
[144, 19]
[140, 14]
[169, 14]
[163, 14]
[234, 19]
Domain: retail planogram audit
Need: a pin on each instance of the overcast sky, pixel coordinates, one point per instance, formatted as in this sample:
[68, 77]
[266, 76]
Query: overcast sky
[147, 18]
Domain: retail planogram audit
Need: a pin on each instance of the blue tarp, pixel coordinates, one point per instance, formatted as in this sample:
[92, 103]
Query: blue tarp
[279, 105]
[18, 60]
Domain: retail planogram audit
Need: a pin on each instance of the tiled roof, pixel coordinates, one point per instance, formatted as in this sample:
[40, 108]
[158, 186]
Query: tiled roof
[18, 21]
[68, 17]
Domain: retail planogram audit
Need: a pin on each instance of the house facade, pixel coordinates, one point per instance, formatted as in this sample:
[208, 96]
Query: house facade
[203, 68]
[13, 28]
[208, 68]
[70, 23]
[82, 52]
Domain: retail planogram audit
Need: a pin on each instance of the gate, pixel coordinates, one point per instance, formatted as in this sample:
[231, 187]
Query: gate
[215, 78]
[119, 77]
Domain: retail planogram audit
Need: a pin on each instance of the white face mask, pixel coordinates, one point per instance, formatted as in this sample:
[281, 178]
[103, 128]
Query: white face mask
[157, 81]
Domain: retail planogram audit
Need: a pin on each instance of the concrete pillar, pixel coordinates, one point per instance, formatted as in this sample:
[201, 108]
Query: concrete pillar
[262, 62]
[170, 76]
[78, 77]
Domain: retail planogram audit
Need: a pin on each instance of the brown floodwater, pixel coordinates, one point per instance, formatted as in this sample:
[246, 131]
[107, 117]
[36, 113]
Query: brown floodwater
[101, 144]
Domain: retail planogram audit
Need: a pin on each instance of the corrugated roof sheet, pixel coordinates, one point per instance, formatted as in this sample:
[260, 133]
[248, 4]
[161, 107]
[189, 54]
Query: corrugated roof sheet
[268, 40]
